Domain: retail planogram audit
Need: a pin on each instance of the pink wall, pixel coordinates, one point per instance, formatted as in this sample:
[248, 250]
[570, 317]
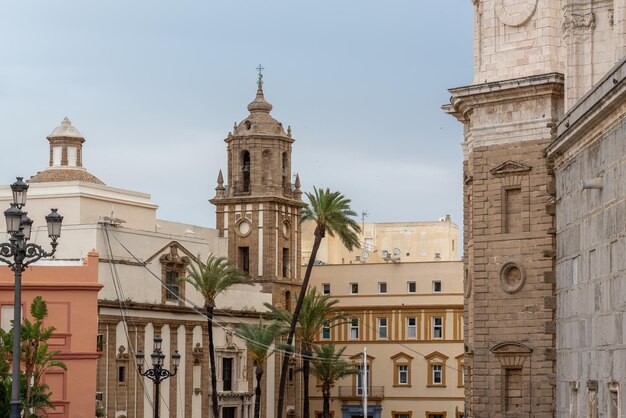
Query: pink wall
[71, 293]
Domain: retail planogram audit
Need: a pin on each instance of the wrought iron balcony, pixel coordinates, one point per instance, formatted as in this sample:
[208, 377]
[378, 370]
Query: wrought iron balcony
[374, 392]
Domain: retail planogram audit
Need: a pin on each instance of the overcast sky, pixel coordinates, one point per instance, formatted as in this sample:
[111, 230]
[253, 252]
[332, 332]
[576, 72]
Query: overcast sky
[155, 86]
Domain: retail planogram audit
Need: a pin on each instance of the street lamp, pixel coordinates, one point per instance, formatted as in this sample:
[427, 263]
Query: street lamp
[157, 373]
[19, 254]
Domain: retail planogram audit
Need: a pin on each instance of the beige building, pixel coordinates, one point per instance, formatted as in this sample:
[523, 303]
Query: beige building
[405, 242]
[543, 86]
[142, 259]
[409, 316]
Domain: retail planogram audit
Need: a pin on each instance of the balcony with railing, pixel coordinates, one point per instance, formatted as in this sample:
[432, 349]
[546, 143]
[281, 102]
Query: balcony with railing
[351, 392]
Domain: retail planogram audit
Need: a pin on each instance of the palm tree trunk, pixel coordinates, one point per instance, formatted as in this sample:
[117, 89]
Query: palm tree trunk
[306, 356]
[326, 408]
[212, 365]
[257, 399]
[319, 234]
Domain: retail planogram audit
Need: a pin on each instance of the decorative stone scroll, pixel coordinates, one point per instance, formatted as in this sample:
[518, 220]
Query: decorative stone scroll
[579, 21]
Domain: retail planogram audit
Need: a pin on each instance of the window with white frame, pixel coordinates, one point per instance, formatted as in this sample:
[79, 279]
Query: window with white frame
[411, 287]
[325, 332]
[411, 328]
[437, 374]
[382, 287]
[57, 153]
[72, 156]
[436, 286]
[437, 327]
[354, 288]
[382, 327]
[354, 329]
[326, 288]
[403, 374]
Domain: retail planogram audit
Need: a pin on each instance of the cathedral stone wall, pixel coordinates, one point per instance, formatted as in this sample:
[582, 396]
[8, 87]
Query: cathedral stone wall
[590, 166]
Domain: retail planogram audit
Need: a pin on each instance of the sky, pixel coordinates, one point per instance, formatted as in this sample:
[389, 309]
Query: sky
[155, 87]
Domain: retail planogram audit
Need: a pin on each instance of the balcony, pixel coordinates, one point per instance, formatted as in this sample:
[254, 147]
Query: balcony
[353, 392]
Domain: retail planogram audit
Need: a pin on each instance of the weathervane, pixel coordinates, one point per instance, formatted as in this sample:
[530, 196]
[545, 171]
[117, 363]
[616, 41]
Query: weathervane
[260, 68]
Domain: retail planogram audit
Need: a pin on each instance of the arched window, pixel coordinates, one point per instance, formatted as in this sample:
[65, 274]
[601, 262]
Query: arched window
[288, 300]
[267, 167]
[245, 168]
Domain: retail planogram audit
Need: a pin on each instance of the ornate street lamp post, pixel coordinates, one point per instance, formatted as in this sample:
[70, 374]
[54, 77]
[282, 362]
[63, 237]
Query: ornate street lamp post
[19, 254]
[157, 373]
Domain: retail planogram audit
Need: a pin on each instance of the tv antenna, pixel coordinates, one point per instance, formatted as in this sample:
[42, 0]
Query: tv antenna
[364, 214]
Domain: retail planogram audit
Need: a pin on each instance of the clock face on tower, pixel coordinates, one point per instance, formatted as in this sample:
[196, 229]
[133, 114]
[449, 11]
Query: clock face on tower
[515, 12]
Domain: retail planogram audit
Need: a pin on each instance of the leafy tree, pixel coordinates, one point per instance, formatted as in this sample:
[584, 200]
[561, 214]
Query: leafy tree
[36, 360]
[259, 338]
[332, 214]
[318, 311]
[329, 367]
[210, 279]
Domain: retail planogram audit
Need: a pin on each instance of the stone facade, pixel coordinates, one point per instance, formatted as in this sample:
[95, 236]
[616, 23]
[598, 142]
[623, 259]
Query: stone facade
[534, 61]
[409, 315]
[589, 157]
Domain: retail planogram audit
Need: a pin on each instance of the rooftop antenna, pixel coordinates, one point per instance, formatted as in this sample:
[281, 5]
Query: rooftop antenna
[364, 214]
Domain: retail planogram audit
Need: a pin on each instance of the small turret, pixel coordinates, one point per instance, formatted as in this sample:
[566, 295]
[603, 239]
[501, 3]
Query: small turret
[297, 193]
[220, 189]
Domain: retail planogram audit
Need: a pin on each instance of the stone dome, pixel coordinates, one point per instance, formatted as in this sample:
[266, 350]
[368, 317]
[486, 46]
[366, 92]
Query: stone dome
[260, 122]
[65, 130]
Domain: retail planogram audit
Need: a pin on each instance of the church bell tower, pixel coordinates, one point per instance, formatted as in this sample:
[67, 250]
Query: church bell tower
[258, 208]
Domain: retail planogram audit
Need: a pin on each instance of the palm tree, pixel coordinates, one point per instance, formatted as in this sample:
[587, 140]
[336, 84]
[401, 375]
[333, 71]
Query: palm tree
[210, 279]
[329, 367]
[332, 214]
[259, 338]
[318, 311]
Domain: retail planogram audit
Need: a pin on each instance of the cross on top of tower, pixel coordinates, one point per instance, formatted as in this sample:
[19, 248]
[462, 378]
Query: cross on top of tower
[260, 68]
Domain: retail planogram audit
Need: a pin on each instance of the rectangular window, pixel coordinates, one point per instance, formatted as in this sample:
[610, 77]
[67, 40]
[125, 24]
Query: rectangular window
[325, 332]
[382, 287]
[359, 379]
[244, 259]
[437, 286]
[437, 374]
[227, 373]
[57, 152]
[229, 412]
[403, 374]
[6, 316]
[326, 288]
[121, 374]
[437, 327]
[354, 329]
[382, 327]
[513, 390]
[512, 211]
[100, 343]
[72, 156]
[285, 262]
[411, 287]
[401, 415]
[411, 328]
[438, 415]
[354, 288]
[172, 288]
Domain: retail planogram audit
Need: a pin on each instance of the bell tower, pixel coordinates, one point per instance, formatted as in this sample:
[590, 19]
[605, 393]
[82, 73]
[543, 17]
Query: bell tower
[258, 209]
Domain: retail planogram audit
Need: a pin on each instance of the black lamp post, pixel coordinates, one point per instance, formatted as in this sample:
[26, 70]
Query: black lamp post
[19, 254]
[157, 373]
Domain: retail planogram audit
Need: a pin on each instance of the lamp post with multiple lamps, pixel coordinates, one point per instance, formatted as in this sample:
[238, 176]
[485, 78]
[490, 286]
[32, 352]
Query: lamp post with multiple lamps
[157, 373]
[18, 253]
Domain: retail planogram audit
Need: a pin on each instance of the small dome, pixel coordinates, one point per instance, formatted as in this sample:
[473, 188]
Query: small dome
[259, 104]
[65, 130]
[64, 174]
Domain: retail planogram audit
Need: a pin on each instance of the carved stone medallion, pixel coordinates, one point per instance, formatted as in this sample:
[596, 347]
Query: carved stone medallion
[515, 12]
[512, 277]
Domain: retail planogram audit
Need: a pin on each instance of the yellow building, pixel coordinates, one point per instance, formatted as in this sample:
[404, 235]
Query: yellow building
[389, 242]
[410, 318]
